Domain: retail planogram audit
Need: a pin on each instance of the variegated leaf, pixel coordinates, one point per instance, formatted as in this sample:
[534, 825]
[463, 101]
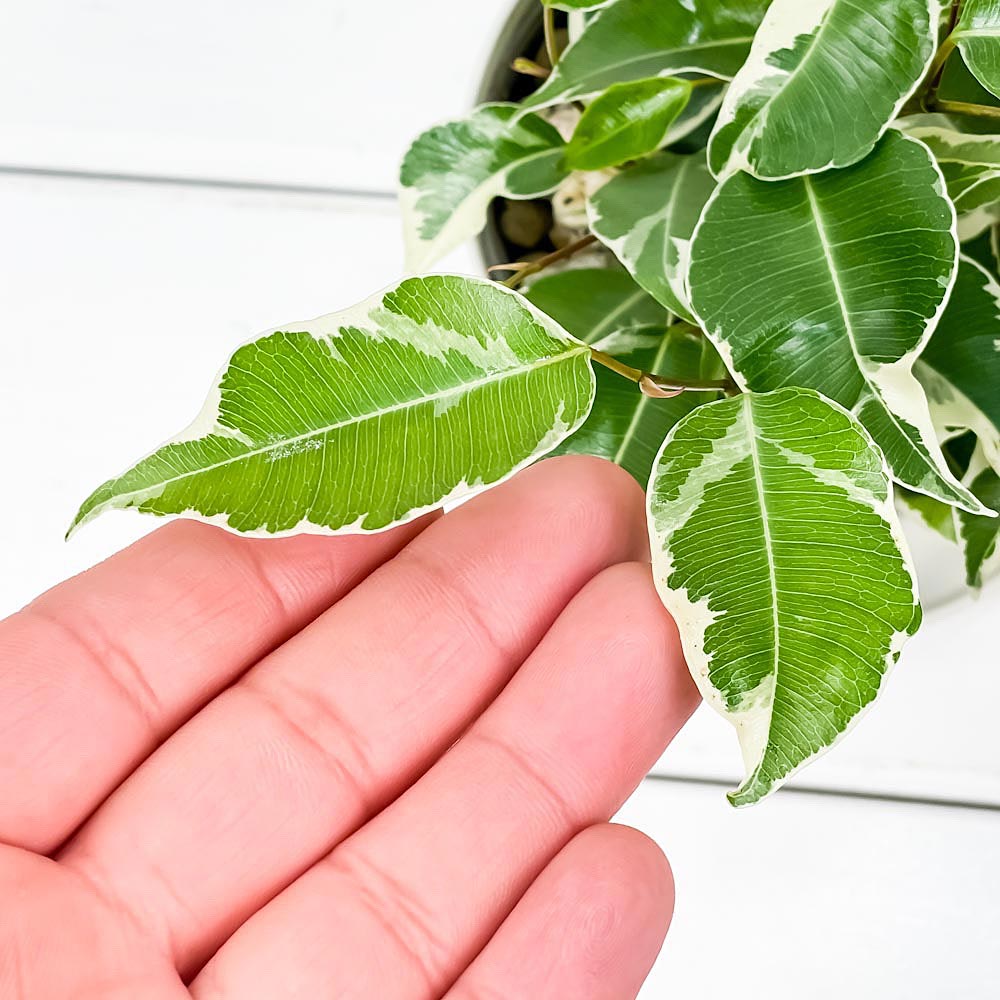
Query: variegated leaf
[978, 37]
[823, 81]
[835, 282]
[971, 168]
[937, 516]
[357, 421]
[646, 216]
[778, 552]
[979, 536]
[452, 172]
[626, 122]
[637, 39]
[608, 310]
[960, 366]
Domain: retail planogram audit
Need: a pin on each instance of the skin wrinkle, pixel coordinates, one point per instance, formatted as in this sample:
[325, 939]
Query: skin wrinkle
[127, 945]
[395, 910]
[128, 680]
[342, 750]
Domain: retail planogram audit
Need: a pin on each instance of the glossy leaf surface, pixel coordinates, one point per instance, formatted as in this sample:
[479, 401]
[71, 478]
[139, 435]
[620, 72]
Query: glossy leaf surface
[823, 81]
[452, 172]
[646, 217]
[835, 282]
[971, 168]
[364, 419]
[960, 367]
[978, 36]
[626, 122]
[778, 552]
[637, 39]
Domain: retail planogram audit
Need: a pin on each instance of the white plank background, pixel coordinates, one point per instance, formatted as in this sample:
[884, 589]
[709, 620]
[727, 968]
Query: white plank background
[319, 92]
[119, 298]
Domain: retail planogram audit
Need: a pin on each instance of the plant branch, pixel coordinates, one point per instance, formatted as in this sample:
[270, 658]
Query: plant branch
[659, 386]
[523, 271]
[528, 67]
[549, 23]
[963, 108]
[707, 81]
[936, 73]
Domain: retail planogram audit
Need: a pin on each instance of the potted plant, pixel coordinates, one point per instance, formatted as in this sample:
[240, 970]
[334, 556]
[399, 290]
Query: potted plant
[788, 325]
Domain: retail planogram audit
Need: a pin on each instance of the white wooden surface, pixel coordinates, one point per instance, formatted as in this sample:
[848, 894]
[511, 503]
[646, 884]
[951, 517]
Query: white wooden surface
[118, 299]
[319, 92]
[824, 898]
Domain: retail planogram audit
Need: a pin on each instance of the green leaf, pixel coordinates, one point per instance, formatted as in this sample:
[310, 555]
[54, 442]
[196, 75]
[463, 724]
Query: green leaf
[778, 552]
[608, 310]
[835, 282]
[937, 516]
[637, 39]
[971, 168]
[960, 366]
[646, 216]
[823, 81]
[576, 4]
[452, 172]
[978, 37]
[626, 122]
[364, 419]
[979, 535]
[985, 250]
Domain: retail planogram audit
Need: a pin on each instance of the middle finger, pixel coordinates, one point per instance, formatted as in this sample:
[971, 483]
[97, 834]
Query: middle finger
[337, 722]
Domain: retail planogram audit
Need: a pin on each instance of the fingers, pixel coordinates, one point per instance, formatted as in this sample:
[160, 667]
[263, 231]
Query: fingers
[589, 927]
[338, 721]
[404, 905]
[59, 940]
[98, 671]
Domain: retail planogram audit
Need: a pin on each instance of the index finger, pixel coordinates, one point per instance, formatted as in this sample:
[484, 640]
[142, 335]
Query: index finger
[98, 671]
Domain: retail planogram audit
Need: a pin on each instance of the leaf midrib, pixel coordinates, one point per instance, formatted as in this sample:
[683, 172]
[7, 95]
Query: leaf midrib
[845, 313]
[463, 389]
[772, 575]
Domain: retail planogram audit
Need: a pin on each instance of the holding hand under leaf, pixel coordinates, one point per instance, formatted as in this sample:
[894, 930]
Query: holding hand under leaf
[787, 322]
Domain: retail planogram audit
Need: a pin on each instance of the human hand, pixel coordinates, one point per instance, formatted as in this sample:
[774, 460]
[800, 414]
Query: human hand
[243, 753]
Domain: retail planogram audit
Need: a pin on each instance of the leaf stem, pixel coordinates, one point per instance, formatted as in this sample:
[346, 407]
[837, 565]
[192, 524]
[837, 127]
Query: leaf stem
[659, 386]
[528, 67]
[549, 23]
[963, 108]
[707, 81]
[936, 73]
[526, 270]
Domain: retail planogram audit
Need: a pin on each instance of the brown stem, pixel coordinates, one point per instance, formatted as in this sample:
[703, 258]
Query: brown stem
[963, 108]
[543, 262]
[665, 384]
[707, 81]
[659, 386]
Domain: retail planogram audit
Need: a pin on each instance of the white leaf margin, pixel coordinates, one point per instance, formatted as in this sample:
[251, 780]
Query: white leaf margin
[470, 217]
[783, 23]
[693, 618]
[328, 326]
[951, 410]
[895, 381]
[972, 223]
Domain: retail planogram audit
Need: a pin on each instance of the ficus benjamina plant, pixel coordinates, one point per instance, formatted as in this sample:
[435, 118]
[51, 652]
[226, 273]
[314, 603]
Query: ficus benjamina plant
[795, 327]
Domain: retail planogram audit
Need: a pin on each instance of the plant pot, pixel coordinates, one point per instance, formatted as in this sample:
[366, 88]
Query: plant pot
[939, 563]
